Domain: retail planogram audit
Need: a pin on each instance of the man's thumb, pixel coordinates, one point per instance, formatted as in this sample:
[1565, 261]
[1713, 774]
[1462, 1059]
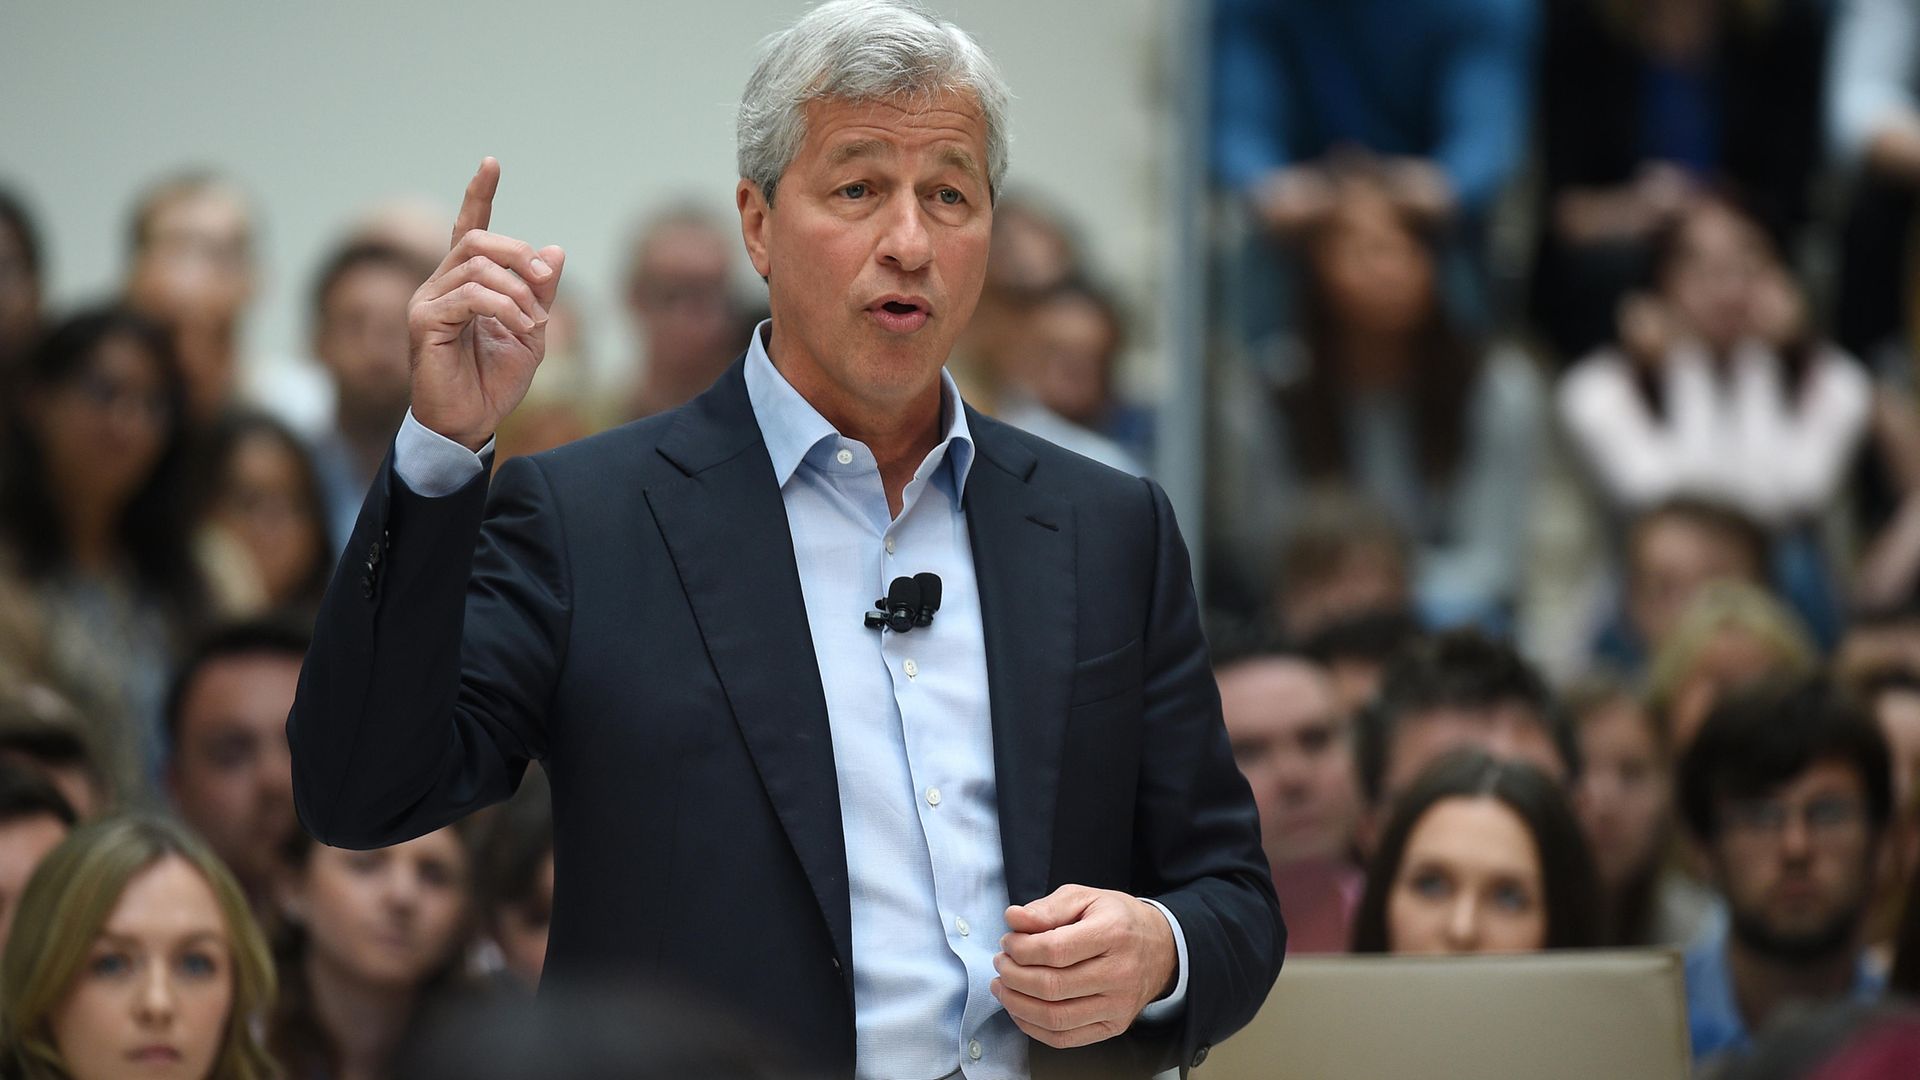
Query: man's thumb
[1059, 908]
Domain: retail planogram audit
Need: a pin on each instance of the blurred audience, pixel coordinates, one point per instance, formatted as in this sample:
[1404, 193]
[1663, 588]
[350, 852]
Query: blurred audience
[1431, 94]
[93, 515]
[1643, 104]
[1459, 689]
[266, 517]
[41, 731]
[228, 773]
[191, 267]
[34, 818]
[679, 293]
[1480, 856]
[1873, 130]
[1355, 652]
[1387, 398]
[360, 337]
[1625, 802]
[1715, 387]
[1056, 376]
[1345, 559]
[514, 878]
[1673, 550]
[1787, 790]
[22, 287]
[1294, 744]
[371, 940]
[1730, 635]
[133, 954]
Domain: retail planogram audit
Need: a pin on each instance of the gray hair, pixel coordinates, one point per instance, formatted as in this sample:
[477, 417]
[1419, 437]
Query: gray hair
[861, 50]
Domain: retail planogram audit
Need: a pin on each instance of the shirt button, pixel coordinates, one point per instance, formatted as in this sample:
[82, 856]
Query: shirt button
[912, 668]
[844, 457]
[889, 545]
[973, 1049]
[933, 796]
[961, 925]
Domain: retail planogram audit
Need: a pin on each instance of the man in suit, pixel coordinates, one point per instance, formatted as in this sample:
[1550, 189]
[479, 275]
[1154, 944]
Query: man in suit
[1012, 842]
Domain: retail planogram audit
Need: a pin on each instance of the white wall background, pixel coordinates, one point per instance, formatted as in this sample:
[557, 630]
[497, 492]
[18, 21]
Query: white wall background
[598, 109]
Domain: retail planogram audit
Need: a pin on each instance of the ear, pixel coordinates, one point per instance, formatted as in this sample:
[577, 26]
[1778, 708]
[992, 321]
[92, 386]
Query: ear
[1366, 831]
[756, 217]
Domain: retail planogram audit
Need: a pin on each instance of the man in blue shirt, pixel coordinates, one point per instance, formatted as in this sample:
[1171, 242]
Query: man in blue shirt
[1009, 841]
[1788, 790]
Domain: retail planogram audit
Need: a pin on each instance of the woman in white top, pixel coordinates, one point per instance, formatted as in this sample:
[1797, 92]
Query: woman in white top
[1715, 388]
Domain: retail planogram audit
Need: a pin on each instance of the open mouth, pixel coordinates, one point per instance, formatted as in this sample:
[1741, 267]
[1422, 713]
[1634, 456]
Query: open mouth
[899, 316]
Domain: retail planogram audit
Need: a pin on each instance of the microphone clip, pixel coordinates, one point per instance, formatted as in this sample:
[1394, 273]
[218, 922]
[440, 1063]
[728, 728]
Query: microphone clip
[910, 602]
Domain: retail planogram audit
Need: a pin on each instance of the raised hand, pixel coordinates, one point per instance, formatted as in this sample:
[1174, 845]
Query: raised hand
[478, 327]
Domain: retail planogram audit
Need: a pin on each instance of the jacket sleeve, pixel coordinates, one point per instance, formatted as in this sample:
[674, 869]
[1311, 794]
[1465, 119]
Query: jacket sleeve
[1197, 837]
[434, 658]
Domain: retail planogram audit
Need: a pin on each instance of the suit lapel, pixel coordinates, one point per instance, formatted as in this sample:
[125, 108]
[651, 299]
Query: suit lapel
[1023, 558]
[726, 529]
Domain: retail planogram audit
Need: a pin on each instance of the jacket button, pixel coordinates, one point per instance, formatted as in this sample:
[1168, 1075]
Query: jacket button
[366, 586]
[1199, 1056]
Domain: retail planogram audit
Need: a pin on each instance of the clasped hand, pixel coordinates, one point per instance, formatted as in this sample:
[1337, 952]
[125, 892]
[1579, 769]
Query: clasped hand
[477, 328]
[1080, 964]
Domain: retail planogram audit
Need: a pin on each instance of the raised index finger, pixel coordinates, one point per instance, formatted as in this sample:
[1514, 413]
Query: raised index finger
[476, 208]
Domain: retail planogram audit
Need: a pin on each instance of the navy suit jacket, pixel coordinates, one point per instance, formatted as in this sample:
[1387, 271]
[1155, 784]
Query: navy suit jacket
[630, 615]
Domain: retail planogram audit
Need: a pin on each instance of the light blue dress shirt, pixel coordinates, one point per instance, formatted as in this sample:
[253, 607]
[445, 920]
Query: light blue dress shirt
[911, 726]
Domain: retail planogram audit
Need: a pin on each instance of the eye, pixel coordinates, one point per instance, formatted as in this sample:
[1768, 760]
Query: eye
[198, 964]
[1432, 885]
[855, 191]
[950, 197]
[1512, 898]
[110, 965]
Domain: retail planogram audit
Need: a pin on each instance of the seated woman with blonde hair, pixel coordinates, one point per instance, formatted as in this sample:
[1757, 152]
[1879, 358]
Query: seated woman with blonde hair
[133, 954]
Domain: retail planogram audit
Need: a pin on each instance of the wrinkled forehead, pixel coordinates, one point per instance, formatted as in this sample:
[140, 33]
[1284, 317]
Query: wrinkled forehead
[948, 125]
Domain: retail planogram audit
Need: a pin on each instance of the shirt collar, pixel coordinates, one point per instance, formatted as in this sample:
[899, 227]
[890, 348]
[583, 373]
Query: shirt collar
[792, 427]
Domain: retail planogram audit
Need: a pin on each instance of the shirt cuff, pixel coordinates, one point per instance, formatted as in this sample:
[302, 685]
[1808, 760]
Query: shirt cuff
[431, 464]
[1170, 1006]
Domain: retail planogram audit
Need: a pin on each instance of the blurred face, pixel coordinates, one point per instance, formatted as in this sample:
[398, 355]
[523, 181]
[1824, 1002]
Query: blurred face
[231, 777]
[875, 250]
[362, 340]
[521, 929]
[1731, 660]
[1797, 866]
[1293, 745]
[389, 917]
[104, 430]
[1072, 358]
[1625, 791]
[156, 992]
[196, 265]
[23, 843]
[1721, 259]
[1510, 732]
[1470, 882]
[19, 295]
[267, 505]
[1368, 578]
[1376, 272]
[680, 296]
[1672, 559]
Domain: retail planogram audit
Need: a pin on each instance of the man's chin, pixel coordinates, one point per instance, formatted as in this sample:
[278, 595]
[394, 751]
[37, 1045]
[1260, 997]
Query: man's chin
[1796, 939]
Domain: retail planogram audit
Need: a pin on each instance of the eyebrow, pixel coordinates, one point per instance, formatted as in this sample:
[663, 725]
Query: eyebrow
[132, 939]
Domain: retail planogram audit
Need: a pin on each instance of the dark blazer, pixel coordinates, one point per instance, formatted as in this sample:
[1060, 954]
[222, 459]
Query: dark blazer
[631, 617]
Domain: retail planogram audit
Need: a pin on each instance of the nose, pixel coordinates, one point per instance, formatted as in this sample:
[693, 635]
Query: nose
[153, 1003]
[1463, 924]
[1795, 843]
[905, 245]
